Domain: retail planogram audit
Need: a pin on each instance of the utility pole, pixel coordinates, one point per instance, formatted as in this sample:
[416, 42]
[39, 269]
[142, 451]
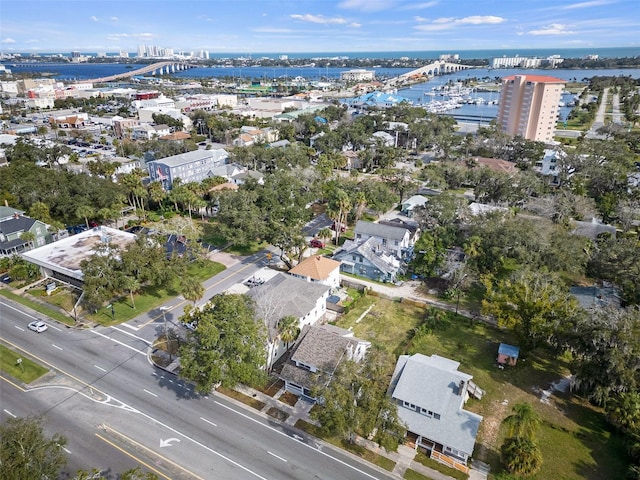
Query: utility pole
[166, 332]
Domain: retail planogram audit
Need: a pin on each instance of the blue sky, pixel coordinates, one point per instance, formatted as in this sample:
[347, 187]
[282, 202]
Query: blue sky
[294, 26]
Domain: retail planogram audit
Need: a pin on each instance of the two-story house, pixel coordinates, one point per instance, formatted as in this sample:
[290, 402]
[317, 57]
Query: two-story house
[367, 259]
[283, 296]
[12, 230]
[317, 268]
[391, 239]
[317, 354]
[430, 393]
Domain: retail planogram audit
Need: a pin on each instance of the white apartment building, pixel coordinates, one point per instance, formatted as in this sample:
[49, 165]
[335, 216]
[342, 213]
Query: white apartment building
[529, 106]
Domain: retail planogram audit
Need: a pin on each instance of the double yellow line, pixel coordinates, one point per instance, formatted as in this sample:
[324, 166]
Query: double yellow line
[122, 450]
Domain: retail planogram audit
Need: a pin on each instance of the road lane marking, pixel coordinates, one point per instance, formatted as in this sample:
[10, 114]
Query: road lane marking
[131, 455]
[146, 415]
[277, 456]
[152, 452]
[150, 393]
[135, 329]
[19, 328]
[100, 368]
[295, 439]
[54, 327]
[132, 335]
[205, 420]
[118, 342]
[9, 413]
[26, 314]
[56, 346]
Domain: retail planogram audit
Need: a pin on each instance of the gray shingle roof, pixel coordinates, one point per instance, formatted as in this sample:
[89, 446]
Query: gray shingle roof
[433, 383]
[379, 230]
[285, 295]
[13, 225]
[370, 250]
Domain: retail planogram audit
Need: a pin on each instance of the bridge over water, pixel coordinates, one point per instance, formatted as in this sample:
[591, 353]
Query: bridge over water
[162, 68]
[439, 67]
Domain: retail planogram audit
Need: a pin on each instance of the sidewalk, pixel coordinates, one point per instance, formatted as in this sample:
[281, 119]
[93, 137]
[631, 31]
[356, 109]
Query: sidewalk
[403, 458]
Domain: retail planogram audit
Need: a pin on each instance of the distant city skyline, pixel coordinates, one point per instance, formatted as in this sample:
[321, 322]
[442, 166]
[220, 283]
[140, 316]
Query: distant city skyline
[280, 27]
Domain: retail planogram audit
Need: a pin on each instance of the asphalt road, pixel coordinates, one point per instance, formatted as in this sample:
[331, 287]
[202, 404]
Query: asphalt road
[110, 401]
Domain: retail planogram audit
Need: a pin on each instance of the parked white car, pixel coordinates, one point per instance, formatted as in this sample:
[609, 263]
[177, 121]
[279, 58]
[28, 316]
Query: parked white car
[38, 326]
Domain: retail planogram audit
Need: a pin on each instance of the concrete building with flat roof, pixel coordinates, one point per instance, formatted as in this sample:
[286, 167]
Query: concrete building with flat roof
[529, 106]
[61, 260]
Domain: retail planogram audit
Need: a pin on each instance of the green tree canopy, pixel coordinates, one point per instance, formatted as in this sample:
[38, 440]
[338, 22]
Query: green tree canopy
[228, 345]
[27, 452]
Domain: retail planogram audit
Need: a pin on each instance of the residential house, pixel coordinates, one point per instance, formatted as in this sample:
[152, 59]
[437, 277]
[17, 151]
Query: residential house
[12, 229]
[391, 239]
[318, 352]
[282, 296]
[317, 268]
[192, 166]
[148, 132]
[253, 136]
[384, 138]
[367, 259]
[430, 393]
[412, 202]
[410, 225]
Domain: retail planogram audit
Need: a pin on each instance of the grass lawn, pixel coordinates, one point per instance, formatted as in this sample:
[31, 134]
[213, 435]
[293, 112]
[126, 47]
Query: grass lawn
[26, 371]
[413, 475]
[151, 297]
[241, 397]
[358, 450]
[49, 312]
[589, 450]
[212, 236]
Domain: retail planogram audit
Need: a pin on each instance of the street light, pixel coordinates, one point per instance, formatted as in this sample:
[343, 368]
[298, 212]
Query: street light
[166, 332]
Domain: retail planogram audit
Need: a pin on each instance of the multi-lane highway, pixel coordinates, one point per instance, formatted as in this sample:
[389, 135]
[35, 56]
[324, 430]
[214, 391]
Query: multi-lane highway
[118, 410]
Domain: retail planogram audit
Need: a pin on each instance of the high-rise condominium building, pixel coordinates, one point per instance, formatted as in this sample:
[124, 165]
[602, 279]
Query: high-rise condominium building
[529, 106]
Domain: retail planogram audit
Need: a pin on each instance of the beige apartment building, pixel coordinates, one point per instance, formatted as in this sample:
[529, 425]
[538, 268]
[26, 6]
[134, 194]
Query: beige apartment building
[529, 106]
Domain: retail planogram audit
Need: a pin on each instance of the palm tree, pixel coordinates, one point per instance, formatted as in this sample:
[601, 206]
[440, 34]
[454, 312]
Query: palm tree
[324, 234]
[523, 422]
[132, 285]
[521, 456]
[191, 289]
[85, 211]
[288, 329]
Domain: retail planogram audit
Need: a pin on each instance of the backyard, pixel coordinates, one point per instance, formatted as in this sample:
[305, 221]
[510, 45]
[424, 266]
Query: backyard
[570, 425]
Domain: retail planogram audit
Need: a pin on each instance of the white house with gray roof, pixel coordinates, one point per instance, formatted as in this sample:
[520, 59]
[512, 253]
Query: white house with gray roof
[317, 354]
[430, 393]
[285, 295]
[391, 239]
[192, 166]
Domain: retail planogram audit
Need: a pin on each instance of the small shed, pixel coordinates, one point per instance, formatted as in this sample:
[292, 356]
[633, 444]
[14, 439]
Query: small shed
[508, 354]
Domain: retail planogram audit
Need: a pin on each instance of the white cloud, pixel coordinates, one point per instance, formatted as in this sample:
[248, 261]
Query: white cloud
[553, 29]
[355, 24]
[419, 6]
[114, 19]
[320, 19]
[594, 3]
[94, 18]
[7, 40]
[420, 19]
[446, 23]
[272, 30]
[481, 20]
[366, 5]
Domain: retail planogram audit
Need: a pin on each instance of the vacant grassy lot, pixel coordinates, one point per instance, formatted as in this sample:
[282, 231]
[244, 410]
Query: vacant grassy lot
[26, 371]
[49, 312]
[575, 440]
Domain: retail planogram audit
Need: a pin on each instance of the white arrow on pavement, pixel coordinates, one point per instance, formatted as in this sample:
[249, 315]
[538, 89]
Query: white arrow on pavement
[167, 442]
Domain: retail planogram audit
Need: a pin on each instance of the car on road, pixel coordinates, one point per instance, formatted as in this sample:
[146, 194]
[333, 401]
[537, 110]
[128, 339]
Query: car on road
[38, 326]
[316, 243]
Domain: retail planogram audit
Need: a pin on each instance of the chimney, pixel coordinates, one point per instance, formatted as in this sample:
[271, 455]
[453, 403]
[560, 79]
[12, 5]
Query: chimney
[461, 388]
